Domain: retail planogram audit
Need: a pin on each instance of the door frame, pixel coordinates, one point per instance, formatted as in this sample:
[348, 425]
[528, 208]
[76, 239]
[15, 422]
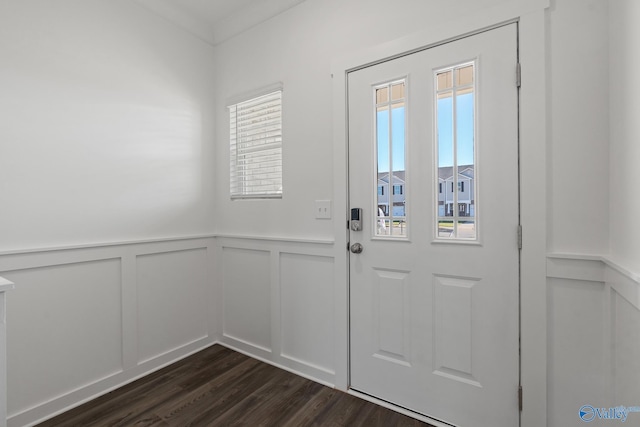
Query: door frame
[531, 19]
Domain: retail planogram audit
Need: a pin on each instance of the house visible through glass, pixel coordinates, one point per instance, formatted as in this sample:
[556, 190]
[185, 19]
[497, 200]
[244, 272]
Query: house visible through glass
[455, 129]
[390, 210]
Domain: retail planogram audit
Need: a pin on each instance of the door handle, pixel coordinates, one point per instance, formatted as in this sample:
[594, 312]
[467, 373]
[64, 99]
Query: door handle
[356, 248]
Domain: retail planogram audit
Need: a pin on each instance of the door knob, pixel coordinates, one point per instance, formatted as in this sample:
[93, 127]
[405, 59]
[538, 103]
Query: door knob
[356, 248]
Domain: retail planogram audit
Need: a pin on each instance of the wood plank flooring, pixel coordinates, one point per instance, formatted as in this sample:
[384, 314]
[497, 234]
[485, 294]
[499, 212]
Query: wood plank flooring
[221, 387]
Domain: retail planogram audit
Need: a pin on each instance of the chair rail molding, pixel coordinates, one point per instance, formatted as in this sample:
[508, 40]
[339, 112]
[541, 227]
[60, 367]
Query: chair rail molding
[595, 268]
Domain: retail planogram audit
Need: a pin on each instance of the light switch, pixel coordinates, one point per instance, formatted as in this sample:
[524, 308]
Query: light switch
[323, 209]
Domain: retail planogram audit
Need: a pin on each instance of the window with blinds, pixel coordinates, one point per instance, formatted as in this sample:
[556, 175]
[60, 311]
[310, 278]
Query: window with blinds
[256, 147]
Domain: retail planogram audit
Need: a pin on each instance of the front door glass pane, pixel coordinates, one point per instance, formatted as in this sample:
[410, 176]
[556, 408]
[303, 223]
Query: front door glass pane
[456, 187]
[390, 215]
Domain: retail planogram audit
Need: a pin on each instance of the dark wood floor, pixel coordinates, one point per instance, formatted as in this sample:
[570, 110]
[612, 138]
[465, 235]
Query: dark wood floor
[220, 387]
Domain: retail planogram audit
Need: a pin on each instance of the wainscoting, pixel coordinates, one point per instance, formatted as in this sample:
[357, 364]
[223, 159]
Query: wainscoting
[279, 303]
[594, 337]
[82, 321]
[85, 320]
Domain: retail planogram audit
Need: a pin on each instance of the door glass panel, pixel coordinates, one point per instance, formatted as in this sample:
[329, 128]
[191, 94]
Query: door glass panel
[464, 75]
[390, 214]
[445, 80]
[456, 188]
[382, 95]
[397, 91]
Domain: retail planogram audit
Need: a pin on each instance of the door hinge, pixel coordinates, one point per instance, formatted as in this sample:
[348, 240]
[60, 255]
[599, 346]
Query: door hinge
[519, 236]
[520, 398]
[518, 75]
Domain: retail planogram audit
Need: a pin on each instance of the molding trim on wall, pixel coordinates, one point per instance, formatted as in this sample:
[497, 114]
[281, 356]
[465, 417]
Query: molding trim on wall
[106, 244]
[168, 239]
[623, 282]
[288, 287]
[277, 239]
[143, 295]
[587, 268]
[595, 268]
[6, 285]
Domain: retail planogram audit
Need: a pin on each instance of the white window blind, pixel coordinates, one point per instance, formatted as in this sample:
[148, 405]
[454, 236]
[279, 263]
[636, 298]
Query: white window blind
[256, 147]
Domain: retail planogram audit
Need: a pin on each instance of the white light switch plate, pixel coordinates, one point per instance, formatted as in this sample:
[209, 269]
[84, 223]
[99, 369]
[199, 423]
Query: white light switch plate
[323, 209]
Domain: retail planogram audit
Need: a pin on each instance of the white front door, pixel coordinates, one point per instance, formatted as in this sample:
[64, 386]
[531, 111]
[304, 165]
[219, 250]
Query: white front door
[433, 165]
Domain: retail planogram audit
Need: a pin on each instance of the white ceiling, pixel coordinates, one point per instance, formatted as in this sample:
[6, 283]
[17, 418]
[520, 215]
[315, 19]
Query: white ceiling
[217, 20]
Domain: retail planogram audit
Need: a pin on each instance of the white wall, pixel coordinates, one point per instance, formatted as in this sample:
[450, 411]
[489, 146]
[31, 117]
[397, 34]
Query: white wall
[107, 125]
[625, 133]
[593, 301]
[297, 48]
[106, 136]
[578, 84]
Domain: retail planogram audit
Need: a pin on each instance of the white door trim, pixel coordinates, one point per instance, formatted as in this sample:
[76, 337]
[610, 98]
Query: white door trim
[533, 130]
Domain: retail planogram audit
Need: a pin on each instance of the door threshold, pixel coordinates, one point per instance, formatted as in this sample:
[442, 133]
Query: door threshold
[404, 411]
